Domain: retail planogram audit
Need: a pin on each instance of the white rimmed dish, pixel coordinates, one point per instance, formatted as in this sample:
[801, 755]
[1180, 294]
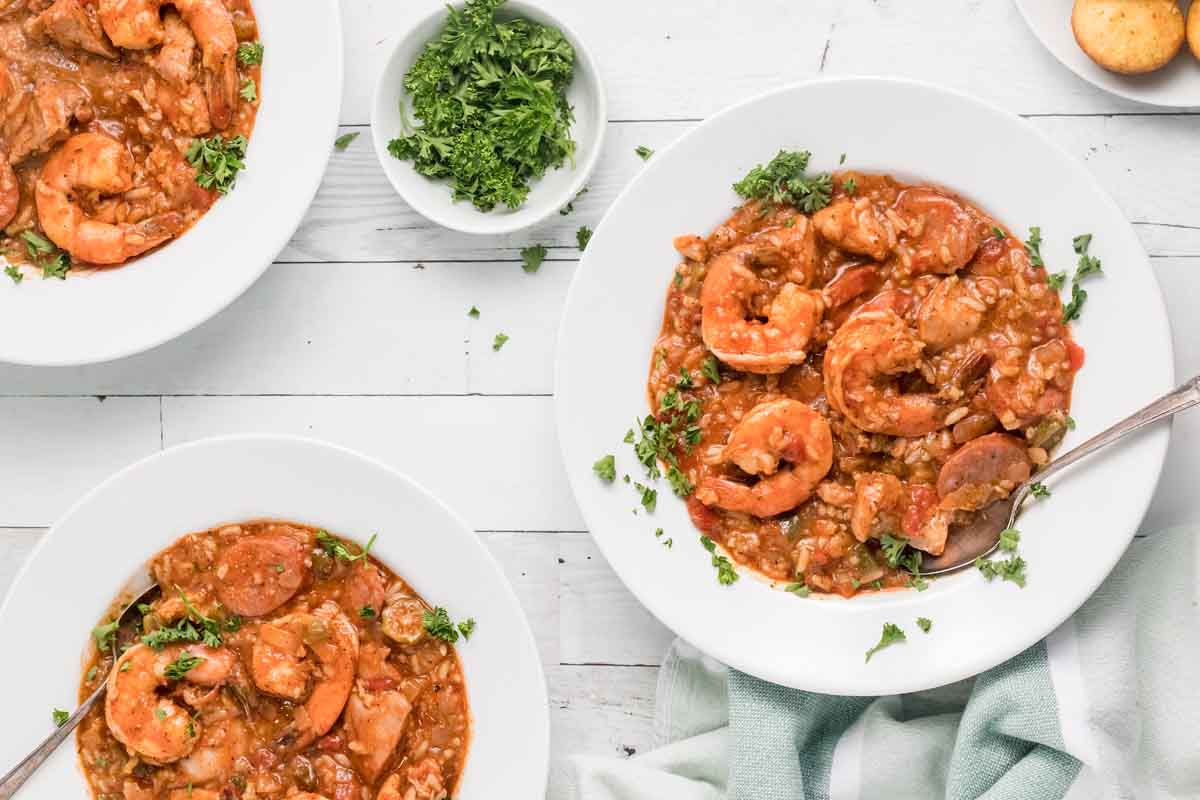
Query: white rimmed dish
[432, 199]
[109, 314]
[614, 312]
[86, 558]
[1177, 85]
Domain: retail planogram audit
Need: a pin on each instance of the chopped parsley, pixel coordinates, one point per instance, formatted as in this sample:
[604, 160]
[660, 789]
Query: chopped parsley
[1072, 309]
[685, 379]
[898, 554]
[105, 634]
[56, 266]
[250, 53]
[182, 665]
[1088, 265]
[336, 548]
[1039, 490]
[571, 205]
[798, 589]
[532, 257]
[1012, 569]
[643, 152]
[582, 237]
[649, 497]
[1070, 423]
[924, 623]
[711, 369]
[1081, 243]
[53, 262]
[60, 717]
[891, 635]
[1009, 539]
[160, 714]
[1033, 246]
[783, 180]
[498, 341]
[438, 624]
[1057, 280]
[998, 232]
[91, 674]
[467, 627]
[491, 99]
[473, 313]
[14, 273]
[679, 482]
[849, 186]
[342, 142]
[249, 91]
[181, 631]
[217, 161]
[726, 574]
[366, 612]
[606, 468]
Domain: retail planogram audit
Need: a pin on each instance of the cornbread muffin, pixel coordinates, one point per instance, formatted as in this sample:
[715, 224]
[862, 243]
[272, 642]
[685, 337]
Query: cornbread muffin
[1129, 36]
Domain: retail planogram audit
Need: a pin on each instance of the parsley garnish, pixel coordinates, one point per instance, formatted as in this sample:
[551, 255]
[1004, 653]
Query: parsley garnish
[726, 574]
[499, 341]
[366, 612]
[1072, 309]
[899, 554]
[649, 497]
[798, 589]
[849, 186]
[250, 53]
[679, 482]
[571, 205]
[1056, 280]
[14, 273]
[924, 623]
[1033, 246]
[582, 237]
[104, 634]
[998, 232]
[53, 262]
[1009, 539]
[439, 625]
[181, 631]
[336, 548]
[217, 161]
[606, 469]
[467, 627]
[1070, 423]
[60, 717]
[533, 256]
[491, 97]
[91, 674]
[1039, 490]
[473, 313]
[249, 91]
[685, 379]
[711, 369]
[891, 634]
[342, 142]
[1088, 265]
[783, 180]
[182, 665]
[1012, 569]
[643, 152]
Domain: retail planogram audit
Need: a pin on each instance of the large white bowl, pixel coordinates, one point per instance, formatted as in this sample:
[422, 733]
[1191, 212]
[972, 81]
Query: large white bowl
[615, 309]
[432, 199]
[87, 557]
[115, 313]
[1177, 85]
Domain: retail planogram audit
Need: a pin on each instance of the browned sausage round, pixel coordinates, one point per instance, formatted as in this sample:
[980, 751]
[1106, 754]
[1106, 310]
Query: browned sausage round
[983, 470]
[258, 574]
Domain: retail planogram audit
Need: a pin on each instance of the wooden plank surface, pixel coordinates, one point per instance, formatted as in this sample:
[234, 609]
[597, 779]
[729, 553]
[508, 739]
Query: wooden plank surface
[359, 333]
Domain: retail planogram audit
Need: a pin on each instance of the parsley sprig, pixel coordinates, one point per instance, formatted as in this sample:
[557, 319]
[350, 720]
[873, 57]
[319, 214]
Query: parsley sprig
[784, 180]
[438, 624]
[54, 263]
[726, 574]
[217, 161]
[336, 548]
[1011, 569]
[891, 635]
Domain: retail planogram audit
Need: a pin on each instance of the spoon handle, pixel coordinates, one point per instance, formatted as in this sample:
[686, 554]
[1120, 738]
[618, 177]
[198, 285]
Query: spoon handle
[10, 783]
[1181, 399]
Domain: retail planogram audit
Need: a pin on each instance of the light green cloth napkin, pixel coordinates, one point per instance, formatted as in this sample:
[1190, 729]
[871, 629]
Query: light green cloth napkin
[1108, 706]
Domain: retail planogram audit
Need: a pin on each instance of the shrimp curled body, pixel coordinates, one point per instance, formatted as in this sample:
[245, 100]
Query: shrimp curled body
[773, 432]
[10, 192]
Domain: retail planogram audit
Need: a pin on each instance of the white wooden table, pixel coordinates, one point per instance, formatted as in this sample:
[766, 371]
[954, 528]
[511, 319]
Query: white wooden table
[359, 333]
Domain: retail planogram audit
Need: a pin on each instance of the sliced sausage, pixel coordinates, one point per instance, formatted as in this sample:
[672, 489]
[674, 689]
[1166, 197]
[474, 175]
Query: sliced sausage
[258, 574]
[983, 470]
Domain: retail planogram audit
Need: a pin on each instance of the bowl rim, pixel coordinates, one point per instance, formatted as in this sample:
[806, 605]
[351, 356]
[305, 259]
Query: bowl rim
[490, 223]
[775, 672]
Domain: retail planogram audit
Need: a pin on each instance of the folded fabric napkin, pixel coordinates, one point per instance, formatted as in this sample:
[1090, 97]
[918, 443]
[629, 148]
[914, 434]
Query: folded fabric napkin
[1106, 707]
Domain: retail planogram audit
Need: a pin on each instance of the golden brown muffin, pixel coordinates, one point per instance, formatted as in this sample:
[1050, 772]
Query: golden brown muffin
[1129, 36]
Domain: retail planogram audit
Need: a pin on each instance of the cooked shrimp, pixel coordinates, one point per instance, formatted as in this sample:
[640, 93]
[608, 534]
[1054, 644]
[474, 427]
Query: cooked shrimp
[137, 25]
[376, 713]
[222, 742]
[152, 725]
[280, 664]
[983, 470]
[863, 364]
[883, 504]
[951, 313]
[10, 192]
[729, 321]
[773, 432]
[258, 574]
[72, 25]
[857, 226]
[92, 162]
[1019, 395]
[791, 247]
[940, 235]
[692, 248]
[851, 282]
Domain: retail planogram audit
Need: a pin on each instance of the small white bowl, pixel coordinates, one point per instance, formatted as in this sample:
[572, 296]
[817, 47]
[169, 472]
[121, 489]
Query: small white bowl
[432, 199]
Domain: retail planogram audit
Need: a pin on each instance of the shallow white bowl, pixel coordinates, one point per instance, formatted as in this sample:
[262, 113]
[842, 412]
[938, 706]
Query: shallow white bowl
[432, 199]
[89, 554]
[1177, 85]
[614, 312]
[115, 313]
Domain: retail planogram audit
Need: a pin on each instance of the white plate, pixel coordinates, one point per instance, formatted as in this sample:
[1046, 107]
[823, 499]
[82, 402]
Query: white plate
[614, 312]
[115, 313]
[91, 552]
[1176, 85]
[432, 199]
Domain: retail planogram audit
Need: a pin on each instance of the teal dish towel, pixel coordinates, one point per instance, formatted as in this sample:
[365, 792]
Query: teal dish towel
[1107, 706]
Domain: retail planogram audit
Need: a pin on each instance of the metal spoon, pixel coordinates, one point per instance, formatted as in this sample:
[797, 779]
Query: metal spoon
[981, 536]
[10, 783]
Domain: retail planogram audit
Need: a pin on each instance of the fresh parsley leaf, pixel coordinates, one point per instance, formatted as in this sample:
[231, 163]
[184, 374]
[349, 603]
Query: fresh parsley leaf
[60, 717]
[1012, 569]
[891, 635]
[998, 232]
[924, 623]
[250, 53]
[1009, 539]
[181, 631]
[849, 186]
[1057, 280]
[917, 582]
[606, 469]
[437, 624]
[160, 714]
[182, 665]
[582, 237]
[1072, 310]
[36, 245]
[571, 205]
[643, 152]
[679, 482]
[685, 379]
[711, 369]
[14, 273]
[473, 313]
[366, 612]
[1070, 423]
[1033, 246]
[217, 161]
[467, 627]
[533, 256]
[649, 497]
[345, 140]
[726, 574]
[783, 180]
[249, 91]
[1088, 265]
[893, 548]
[104, 634]
[336, 548]
[499, 341]
[798, 589]
[1039, 490]
[1081, 243]
[56, 266]
[91, 674]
